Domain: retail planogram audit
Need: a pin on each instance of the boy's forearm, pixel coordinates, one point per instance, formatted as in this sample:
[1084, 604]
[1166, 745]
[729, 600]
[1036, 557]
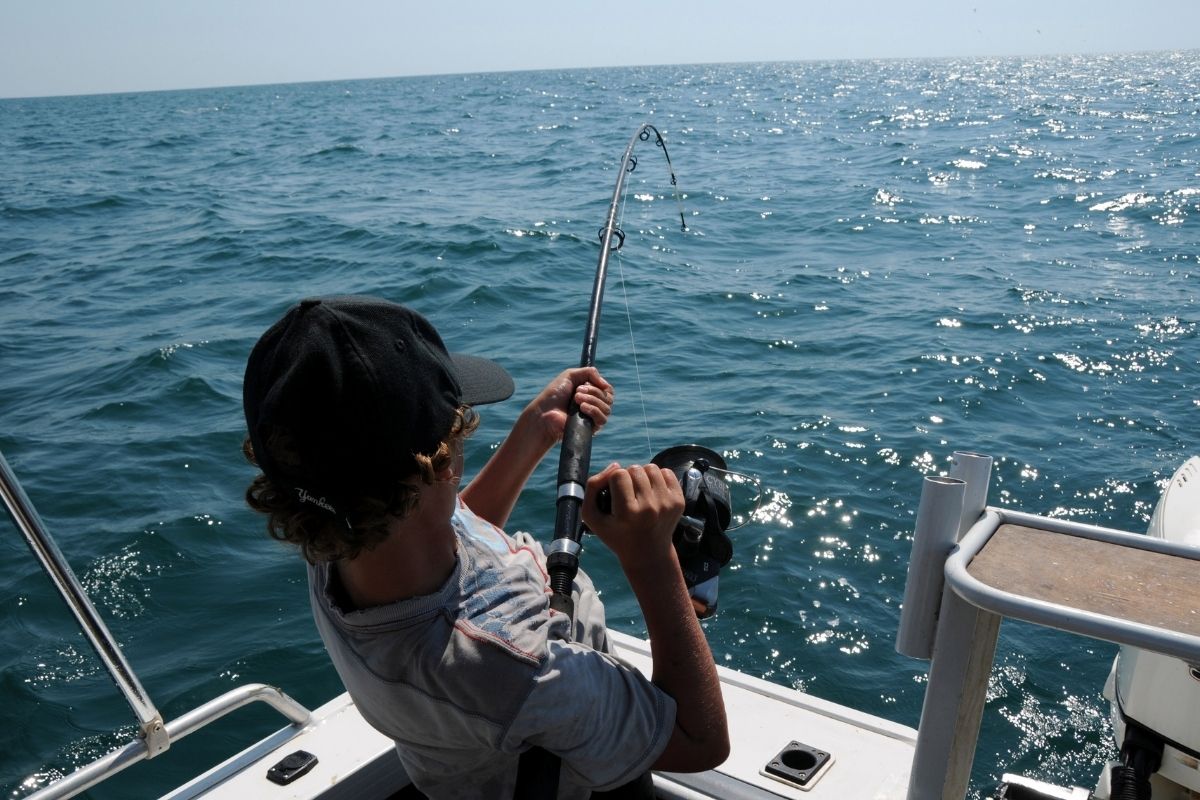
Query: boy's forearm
[683, 664]
[494, 491]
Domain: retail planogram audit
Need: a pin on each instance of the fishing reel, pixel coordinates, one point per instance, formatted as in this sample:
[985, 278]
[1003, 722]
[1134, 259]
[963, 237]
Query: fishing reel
[700, 537]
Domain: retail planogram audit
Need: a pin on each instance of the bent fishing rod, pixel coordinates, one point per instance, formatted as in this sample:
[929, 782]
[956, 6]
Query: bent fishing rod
[538, 769]
[562, 557]
[700, 539]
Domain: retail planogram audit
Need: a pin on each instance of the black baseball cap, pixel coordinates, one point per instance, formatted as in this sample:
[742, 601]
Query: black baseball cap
[342, 391]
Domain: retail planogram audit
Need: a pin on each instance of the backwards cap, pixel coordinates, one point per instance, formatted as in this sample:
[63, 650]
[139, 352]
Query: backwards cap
[342, 391]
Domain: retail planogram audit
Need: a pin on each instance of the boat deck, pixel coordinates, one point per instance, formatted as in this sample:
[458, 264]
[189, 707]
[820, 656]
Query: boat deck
[764, 718]
[355, 761]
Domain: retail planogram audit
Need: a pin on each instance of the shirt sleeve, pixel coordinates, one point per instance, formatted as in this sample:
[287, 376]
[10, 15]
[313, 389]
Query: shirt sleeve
[602, 717]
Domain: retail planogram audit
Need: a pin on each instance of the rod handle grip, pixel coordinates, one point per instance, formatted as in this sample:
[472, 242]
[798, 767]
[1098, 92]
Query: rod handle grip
[576, 453]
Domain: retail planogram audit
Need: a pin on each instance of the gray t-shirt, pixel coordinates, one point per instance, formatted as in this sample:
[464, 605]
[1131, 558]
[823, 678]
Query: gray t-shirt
[466, 679]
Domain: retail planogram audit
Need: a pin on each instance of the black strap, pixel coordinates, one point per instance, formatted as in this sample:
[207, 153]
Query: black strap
[537, 775]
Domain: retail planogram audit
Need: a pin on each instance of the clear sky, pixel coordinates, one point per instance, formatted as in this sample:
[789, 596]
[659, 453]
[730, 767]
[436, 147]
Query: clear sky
[50, 47]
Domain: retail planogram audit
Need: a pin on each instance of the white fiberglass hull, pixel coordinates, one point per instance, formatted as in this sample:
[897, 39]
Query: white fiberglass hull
[870, 756]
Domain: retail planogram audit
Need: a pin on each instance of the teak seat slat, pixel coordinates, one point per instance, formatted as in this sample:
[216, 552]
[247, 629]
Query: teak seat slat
[1136, 585]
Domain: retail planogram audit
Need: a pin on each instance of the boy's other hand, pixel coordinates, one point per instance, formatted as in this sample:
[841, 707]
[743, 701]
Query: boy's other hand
[646, 505]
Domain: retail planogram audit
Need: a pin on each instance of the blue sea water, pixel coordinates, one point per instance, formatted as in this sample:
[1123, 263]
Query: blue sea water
[886, 261]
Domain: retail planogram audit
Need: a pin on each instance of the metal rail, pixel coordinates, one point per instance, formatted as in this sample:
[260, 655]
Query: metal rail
[1052, 615]
[104, 767]
[55, 565]
[156, 736]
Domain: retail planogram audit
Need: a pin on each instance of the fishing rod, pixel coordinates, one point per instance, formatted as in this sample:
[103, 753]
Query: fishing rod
[562, 557]
[699, 538]
[538, 769]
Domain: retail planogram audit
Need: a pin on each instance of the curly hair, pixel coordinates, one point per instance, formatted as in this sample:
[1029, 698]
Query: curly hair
[322, 537]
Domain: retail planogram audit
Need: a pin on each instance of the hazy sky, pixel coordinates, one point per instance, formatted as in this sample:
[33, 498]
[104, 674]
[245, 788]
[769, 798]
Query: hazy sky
[86, 46]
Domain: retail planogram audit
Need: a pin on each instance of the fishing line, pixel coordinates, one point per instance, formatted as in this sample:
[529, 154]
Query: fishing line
[637, 372]
[731, 476]
[643, 135]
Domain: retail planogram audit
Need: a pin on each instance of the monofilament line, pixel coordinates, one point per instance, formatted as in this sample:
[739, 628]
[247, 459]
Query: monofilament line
[637, 372]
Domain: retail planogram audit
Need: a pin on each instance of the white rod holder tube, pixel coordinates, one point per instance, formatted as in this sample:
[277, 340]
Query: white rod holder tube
[975, 470]
[934, 537]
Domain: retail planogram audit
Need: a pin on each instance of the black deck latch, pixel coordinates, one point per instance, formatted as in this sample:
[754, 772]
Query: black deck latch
[292, 767]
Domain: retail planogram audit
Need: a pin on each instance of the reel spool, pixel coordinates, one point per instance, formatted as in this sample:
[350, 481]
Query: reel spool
[700, 540]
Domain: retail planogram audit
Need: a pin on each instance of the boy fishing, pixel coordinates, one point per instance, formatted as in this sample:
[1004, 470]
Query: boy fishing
[436, 620]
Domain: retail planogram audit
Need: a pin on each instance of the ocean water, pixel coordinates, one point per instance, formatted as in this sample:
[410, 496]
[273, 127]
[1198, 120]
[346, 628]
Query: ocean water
[886, 261]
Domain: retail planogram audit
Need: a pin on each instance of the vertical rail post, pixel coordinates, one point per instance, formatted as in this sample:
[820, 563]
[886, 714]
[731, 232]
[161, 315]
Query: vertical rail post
[26, 518]
[963, 649]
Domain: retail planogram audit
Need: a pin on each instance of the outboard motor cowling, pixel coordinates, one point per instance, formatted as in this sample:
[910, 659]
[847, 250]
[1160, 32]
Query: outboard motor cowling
[1155, 698]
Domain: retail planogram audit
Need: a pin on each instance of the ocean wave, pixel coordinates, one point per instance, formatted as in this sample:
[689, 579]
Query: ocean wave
[70, 207]
[336, 151]
[171, 141]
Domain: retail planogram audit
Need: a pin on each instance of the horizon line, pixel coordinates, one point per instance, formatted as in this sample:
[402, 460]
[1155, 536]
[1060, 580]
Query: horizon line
[212, 87]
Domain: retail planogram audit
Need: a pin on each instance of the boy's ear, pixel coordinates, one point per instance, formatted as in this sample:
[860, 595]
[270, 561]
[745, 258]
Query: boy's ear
[444, 474]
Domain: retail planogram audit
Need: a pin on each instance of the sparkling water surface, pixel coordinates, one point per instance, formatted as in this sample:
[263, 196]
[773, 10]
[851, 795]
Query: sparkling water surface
[886, 261]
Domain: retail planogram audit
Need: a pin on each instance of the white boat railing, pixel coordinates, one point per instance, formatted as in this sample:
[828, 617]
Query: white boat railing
[26, 518]
[102, 768]
[952, 618]
[155, 735]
